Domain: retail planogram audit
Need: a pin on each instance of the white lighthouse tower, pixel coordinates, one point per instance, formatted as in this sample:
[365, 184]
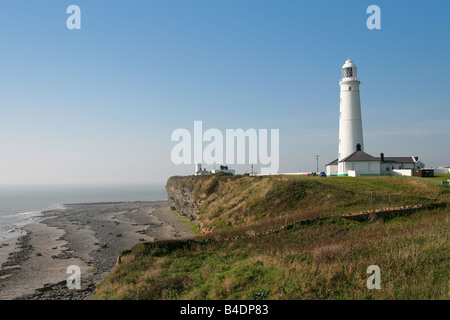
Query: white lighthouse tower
[352, 160]
[350, 121]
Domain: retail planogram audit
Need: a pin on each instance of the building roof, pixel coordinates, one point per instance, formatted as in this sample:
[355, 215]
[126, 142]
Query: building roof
[348, 64]
[333, 163]
[359, 156]
[397, 159]
[362, 156]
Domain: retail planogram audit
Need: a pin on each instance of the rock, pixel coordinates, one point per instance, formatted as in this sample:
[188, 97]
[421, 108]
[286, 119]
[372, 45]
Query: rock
[14, 267]
[181, 200]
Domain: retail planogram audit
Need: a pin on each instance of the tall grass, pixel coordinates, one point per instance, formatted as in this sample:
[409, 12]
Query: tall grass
[324, 259]
[319, 261]
[241, 200]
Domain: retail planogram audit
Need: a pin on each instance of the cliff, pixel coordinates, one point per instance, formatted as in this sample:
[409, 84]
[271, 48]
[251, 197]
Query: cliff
[186, 194]
[285, 237]
[181, 197]
[220, 202]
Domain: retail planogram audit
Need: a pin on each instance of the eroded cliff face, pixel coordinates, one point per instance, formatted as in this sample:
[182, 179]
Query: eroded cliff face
[188, 196]
[181, 197]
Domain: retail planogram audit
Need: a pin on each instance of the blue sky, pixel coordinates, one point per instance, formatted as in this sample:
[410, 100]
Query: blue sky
[98, 105]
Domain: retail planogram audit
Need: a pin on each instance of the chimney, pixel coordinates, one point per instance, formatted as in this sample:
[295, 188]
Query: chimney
[358, 147]
[382, 157]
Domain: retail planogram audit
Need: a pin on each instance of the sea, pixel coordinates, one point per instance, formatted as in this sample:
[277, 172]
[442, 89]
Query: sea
[22, 205]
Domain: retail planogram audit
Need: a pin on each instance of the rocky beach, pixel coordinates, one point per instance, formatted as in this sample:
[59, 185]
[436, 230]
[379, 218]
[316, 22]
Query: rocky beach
[88, 236]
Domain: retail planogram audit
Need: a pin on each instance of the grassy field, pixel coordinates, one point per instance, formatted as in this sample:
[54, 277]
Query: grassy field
[437, 179]
[323, 259]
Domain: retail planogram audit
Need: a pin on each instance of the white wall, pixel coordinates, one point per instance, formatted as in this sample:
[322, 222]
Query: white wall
[332, 170]
[350, 120]
[387, 168]
[402, 172]
[352, 173]
[361, 167]
[441, 170]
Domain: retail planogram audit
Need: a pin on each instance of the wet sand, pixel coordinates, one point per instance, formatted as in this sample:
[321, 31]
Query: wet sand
[88, 236]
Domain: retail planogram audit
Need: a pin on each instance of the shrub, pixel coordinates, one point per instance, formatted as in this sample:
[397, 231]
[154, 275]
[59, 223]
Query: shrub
[329, 253]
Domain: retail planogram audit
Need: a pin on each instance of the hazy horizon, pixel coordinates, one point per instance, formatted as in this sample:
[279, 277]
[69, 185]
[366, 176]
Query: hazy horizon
[97, 106]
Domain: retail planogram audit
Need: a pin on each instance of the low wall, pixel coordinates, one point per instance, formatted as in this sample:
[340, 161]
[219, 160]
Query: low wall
[391, 212]
[402, 172]
[352, 173]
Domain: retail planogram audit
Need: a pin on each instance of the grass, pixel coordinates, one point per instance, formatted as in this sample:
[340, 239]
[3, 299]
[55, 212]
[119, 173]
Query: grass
[224, 202]
[183, 219]
[437, 179]
[324, 259]
[314, 262]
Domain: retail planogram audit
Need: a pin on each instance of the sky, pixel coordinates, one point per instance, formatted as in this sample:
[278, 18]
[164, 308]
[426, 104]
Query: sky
[98, 105]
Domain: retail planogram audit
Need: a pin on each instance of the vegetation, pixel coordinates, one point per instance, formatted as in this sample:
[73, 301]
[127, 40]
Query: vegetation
[183, 219]
[224, 202]
[437, 179]
[249, 255]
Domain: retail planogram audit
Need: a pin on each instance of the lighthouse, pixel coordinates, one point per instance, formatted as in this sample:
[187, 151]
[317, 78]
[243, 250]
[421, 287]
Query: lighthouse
[352, 160]
[350, 120]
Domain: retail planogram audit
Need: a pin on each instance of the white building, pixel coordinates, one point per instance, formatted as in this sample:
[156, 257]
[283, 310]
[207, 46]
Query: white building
[442, 169]
[223, 169]
[388, 165]
[199, 171]
[360, 163]
[352, 160]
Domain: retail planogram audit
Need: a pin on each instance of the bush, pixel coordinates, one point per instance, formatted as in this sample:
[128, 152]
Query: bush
[329, 253]
[159, 248]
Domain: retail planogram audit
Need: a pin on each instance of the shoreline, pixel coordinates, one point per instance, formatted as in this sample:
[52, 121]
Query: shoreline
[87, 235]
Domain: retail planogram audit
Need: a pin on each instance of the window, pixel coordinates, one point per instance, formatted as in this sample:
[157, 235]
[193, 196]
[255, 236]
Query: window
[347, 73]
